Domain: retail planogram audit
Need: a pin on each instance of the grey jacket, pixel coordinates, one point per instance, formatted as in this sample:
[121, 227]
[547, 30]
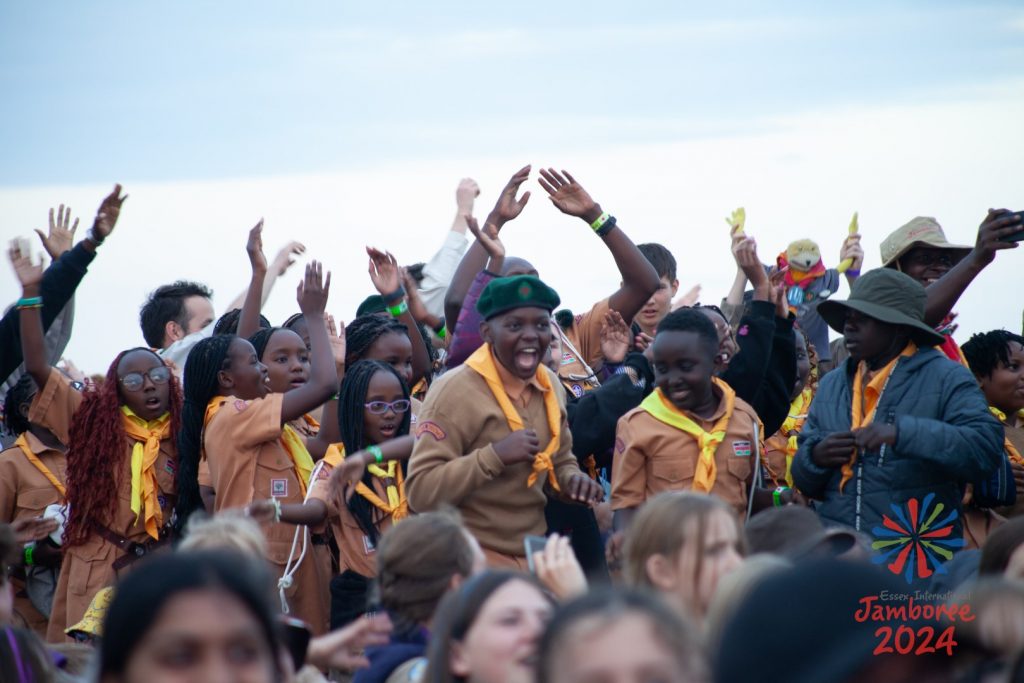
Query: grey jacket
[946, 438]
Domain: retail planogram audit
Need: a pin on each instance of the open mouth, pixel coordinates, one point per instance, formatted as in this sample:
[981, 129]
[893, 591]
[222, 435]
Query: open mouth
[153, 402]
[296, 383]
[388, 430]
[527, 359]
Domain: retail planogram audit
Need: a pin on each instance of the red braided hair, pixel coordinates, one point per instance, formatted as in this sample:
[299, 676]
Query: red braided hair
[97, 454]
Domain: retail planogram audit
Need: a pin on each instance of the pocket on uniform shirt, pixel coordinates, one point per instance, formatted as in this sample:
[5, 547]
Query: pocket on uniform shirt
[739, 467]
[80, 574]
[275, 478]
[34, 501]
[672, 471]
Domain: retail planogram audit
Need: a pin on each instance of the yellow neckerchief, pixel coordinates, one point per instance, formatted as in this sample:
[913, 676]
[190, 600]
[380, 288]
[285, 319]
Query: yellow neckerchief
[212, 408]
[22, 443]
[420, 389]
[146, 450]
[865, 403]
[397, 505]
[661, 409]
[302, 461]
[792, 425]
[482, 361]
[1011, 450]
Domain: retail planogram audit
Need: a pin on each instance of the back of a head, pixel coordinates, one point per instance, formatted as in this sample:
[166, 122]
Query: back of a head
[416, 562]
[142, 596]
[1000, 547]
[660, 528]
[781, 530]
[23, 657]
[576, 623]
[661, 258]
[166, 304]
[232, 531]
[733, 589]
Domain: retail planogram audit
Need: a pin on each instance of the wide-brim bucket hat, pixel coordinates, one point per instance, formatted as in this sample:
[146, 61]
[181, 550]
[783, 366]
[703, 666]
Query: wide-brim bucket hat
[922, 231]
[887, 295]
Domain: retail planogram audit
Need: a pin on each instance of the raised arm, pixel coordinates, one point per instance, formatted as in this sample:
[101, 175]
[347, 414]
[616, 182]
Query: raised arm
[33, 344]
[323, 377]
[639, 279]
[387, 279]
[330, 430]
[507, 208]
[249, 320]
[947, 290]
[284, 260]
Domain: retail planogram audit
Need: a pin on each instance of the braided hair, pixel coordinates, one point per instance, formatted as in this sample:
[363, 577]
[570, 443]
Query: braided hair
[205, 361]
[228, 323]
[987, 351]
[96, 448]
[361, 333]
[261, 337]
[21, 393]
[351, 412]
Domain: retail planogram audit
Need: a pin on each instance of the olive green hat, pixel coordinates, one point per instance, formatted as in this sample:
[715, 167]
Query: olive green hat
[887, 295]
[920, 232]
[522, 291]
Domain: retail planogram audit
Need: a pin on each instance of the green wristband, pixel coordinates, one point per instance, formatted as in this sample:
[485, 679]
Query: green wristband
[399, 309]
[601, 220]
[29, 552]
[777, 496]
[30, 302]
[377, 454]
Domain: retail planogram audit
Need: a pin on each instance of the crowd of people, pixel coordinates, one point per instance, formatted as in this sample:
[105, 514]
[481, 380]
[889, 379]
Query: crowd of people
[468, 482]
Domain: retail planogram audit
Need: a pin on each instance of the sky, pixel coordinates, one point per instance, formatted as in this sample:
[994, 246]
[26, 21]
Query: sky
[346, 124]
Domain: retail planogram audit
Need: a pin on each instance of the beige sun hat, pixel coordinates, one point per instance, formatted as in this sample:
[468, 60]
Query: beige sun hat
[922, 231]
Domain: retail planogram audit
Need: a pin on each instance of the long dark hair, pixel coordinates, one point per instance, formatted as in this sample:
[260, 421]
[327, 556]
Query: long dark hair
[21, 393]
[205, 360]
[142, 595]
[351, 412]
[96, 453]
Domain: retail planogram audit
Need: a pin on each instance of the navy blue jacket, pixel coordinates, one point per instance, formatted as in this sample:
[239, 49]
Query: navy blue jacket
[946, 438]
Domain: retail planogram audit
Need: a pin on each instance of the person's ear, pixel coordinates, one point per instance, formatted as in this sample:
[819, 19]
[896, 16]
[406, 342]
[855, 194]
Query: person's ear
[458, 661]
[661, 572]
[455, 581]
[675, 288]
[24, 409]
[485, 331]
[225, 379]
[173, 331]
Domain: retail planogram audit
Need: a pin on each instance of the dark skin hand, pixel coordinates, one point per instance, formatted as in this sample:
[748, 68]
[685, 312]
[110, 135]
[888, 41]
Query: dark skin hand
[834, 450]
[584, 490]
[106, 218]
[519, 446]
[872, 437]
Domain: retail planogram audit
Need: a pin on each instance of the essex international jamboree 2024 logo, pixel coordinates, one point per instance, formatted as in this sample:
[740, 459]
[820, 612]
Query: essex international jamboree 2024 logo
[917, 542]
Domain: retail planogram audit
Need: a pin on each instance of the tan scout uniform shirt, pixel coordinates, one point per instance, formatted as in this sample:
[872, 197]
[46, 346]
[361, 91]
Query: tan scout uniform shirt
[24, 494]
[89, 567]
[585, 335]
[355, 552]
[454, 461]
[651, 457]
[248, 462]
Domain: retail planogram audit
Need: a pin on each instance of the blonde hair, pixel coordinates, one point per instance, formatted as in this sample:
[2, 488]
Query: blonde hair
[228, 530]
[734, 588]
[661, 527]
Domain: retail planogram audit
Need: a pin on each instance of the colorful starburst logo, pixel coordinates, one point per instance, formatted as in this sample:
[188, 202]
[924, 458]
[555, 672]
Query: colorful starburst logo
[918, 542]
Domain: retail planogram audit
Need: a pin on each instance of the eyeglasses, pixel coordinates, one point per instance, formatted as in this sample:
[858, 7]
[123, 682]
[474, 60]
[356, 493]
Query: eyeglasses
[380, 407]
[133, 381]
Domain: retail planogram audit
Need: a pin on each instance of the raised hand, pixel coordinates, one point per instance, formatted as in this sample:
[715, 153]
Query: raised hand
[615, 338]
[384, 271]
[558, 570]
[254, 248]
[348, 474]
[285, 258]
[30, 529]
[60, 238]
[417, 308]
[854, 251]
[465, 195]
[106, 216]
[777, 284]
[508, 207]
[519, 446]
[488, 238]
[568, 195]
[313, 291]
[29, 274]
[744, 252]
[689, 298]
[999, 223]
[71, 370]
[337, 340]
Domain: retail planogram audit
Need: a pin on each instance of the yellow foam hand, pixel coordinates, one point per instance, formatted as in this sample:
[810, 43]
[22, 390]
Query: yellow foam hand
[854, 229]
[737, 220]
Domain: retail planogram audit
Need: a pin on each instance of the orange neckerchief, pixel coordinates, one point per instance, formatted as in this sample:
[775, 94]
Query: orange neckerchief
[145, 452]
[1011, 450]
[312, 422]
[212, 408]
[662, 409]
[791, 428]
[482, 362]
[865, 400]
[22, 443]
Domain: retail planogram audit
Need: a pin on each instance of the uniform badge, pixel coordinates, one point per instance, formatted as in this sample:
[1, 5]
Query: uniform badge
[241, 405]
[577, 390]
[741, 448]
[368, 546]
[279, 488]
[431, 428]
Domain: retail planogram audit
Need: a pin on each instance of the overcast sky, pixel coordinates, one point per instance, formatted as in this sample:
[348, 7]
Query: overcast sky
[347, 124]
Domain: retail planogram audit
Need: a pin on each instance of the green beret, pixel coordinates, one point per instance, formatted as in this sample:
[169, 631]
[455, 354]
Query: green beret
[504, 294]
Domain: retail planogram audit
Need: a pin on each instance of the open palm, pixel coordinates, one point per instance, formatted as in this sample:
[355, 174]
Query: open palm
[567, 194]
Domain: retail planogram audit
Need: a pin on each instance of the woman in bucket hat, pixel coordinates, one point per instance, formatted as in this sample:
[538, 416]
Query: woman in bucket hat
[897, 431]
